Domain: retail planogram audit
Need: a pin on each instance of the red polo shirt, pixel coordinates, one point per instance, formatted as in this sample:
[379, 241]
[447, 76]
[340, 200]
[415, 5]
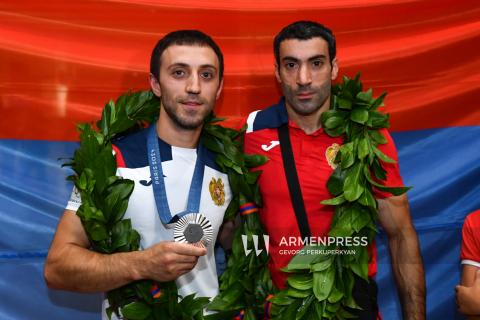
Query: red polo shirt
[310, 153]
[470, 253]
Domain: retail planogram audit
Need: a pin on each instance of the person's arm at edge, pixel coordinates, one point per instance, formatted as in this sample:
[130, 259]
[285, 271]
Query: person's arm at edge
[70, 265]
[405, 255]
[468, 300]
[467, 292]
[227, 232]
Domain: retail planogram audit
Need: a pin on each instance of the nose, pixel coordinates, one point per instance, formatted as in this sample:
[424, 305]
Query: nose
[304, 77]
[193, 84]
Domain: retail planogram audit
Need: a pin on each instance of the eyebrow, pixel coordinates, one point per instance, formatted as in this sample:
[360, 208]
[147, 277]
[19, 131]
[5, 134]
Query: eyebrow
[316, 57]
[185, 65]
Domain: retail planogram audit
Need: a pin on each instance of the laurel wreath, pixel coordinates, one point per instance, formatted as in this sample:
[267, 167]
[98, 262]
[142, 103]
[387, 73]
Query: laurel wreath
[318, 287]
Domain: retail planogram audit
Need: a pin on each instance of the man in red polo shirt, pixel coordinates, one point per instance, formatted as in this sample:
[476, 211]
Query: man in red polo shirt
[305, 68]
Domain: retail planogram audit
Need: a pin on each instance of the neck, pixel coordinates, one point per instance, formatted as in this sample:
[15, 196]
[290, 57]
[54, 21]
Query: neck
[308, 123]
[174, 135]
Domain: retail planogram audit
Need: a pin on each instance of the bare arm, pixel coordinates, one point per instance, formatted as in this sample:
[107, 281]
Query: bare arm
[468, 292]
[227, 232]
[70, 265]
[407, 262]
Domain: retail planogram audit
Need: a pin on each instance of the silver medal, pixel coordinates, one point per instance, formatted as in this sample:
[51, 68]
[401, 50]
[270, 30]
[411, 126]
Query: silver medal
[193, 228]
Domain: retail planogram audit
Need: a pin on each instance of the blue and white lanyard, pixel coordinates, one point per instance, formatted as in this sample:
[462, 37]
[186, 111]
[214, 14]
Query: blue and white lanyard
[158, 183]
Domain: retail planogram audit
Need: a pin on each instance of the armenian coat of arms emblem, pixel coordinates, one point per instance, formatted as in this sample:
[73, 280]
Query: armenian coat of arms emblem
[331, 154]
[217, 191]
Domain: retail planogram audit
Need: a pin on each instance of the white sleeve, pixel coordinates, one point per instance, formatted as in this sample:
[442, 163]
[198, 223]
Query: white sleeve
[471, 263]
[251, 120]
[75, 200]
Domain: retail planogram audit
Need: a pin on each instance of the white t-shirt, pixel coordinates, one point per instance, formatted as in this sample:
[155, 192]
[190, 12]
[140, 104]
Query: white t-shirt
[178, 165]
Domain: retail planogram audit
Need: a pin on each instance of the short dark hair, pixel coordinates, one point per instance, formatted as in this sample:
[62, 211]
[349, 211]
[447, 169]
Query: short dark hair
[305, 30]
[183, 37]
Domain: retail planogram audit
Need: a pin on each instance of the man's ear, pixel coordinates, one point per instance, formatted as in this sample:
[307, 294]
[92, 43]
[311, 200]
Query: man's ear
[277, 73]
[334, 69]
[155, 86]
[219, 90]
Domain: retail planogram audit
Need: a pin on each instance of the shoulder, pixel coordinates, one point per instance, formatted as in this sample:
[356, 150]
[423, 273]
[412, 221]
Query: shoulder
[472, 221]
[470, 251]
[131, 149]
[390, 143]
[388, 148]
[269, 118]
[210, 160]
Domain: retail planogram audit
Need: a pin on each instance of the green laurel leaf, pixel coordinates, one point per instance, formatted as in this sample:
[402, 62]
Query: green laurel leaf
[365, 96]
[353, 185]
[136, 311]
[300, 281]
[336, 181]
[363, 148]
[383, 156]
[377, 136]
[323, 283]
[334, 201]
[359, 115]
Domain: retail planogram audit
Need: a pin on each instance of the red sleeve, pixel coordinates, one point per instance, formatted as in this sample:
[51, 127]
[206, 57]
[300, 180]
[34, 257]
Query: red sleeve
[119, 157]
[471, 238]
[393, 170]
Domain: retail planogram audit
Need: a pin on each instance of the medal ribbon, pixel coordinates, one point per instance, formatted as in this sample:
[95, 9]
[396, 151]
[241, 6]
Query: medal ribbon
[158, 183]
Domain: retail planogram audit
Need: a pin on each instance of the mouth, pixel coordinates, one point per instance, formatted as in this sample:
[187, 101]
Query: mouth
[192, 103]
[305, 95]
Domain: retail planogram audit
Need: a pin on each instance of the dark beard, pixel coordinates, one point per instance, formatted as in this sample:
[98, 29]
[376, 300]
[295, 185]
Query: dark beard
[181, 123]
[322, 93]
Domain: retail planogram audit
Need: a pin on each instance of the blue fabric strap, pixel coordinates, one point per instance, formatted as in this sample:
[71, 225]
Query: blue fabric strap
[158, 183]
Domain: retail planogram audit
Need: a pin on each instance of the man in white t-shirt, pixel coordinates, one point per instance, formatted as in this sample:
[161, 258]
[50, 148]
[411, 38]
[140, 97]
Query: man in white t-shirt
[187, 74]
